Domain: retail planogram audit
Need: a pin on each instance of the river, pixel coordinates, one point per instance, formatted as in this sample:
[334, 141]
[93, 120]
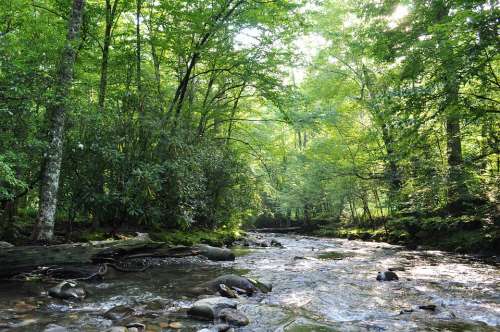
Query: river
[318, 285]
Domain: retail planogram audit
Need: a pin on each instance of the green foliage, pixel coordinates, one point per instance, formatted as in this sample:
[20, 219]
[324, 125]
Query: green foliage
[197, 122]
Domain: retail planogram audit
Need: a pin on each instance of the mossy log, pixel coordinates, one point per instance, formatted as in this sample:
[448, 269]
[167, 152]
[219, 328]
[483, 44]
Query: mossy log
[23, 259]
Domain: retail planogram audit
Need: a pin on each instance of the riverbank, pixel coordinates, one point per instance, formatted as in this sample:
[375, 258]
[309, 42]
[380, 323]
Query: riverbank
[465, 235]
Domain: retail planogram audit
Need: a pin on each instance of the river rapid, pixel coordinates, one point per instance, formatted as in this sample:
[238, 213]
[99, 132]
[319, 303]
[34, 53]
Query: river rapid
[318, 285]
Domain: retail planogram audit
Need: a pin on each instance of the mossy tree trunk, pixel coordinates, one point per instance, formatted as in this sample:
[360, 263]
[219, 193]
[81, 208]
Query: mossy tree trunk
[44, 228]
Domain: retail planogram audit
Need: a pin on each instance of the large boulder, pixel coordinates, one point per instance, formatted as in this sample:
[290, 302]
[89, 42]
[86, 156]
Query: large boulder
[214, 253]
[67, 290]
[210, 308]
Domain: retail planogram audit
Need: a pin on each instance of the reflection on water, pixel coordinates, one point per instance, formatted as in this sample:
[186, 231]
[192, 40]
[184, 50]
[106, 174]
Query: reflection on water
[318, 285]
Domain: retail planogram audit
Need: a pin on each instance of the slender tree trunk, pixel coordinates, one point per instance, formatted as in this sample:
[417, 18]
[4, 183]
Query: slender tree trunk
[457, 190]
[204, 111]
[233, 113]
[44, 228]
[138, 49]
[156, 64]
[110, 16]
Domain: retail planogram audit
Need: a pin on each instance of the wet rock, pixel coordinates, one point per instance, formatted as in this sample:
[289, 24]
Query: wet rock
[55, 328]
[67, 291]
[233, 317]
[209, 308]
[17, 323]
[406, 311]
[119, 313]
[264, 287]
[251, 241]
[218, 328]
[232, 281]
[222, 327]
[387, 276]
[214, 253]
[117, 329]
[4, 244]
[397, 268]
[227, 292]
[430, 307]
[136, 327]
[173, 325]
[276, 243]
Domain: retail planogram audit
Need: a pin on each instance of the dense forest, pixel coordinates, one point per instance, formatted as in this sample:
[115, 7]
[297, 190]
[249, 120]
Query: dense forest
[363, 119]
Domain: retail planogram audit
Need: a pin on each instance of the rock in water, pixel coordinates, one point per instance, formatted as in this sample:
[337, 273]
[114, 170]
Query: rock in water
[232, 281]
[217, 328]
[214, 253]
[139, 327]
[210, 308]
[276, 243]
[4, 244]
[117, 329]
[387, 276]
[396, 268]
[233, 317]
[430, 307]
[55, 328]
[119, 313]
[67, 291]
[263, 287]
[227, 292]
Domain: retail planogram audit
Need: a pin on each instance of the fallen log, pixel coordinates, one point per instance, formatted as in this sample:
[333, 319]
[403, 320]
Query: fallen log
[16, 260]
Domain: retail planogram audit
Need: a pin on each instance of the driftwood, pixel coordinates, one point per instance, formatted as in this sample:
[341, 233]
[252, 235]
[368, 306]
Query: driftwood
[17, 260]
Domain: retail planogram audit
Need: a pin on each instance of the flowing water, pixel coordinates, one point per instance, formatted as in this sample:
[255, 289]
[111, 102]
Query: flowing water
[318, 285]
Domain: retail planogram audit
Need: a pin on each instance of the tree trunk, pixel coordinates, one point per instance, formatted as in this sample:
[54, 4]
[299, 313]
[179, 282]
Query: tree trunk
[44, 228]
[233, 113]
[103, 83]
[138, 50]
[457, 190]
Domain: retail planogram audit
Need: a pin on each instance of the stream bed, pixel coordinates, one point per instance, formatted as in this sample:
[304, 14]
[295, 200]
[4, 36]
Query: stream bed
[318, 285]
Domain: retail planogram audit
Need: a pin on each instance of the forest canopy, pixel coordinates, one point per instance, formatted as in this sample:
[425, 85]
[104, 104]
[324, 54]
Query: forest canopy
[193, 114]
